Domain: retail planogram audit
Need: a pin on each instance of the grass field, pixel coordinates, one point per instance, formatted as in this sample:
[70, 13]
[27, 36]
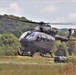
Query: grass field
[17, 65]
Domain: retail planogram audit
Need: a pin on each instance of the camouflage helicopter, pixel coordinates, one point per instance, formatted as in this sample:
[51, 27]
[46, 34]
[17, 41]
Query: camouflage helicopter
[41, 39]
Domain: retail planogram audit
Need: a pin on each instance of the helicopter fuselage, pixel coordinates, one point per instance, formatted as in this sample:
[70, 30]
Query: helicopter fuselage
[36, 42]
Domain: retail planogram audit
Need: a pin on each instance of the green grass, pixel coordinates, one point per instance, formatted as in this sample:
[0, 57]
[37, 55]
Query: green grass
[36, 65]
[19, 59]
[14, 69]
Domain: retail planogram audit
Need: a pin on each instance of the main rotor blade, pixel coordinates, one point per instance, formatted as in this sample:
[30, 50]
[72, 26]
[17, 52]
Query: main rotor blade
[66, 23]
[26, 20]
[20, 20]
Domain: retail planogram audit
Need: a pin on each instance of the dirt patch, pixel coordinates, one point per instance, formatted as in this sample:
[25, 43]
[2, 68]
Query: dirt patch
[70, 70]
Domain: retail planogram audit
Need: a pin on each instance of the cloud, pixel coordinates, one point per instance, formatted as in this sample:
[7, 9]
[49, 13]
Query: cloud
[50, 9]
[12, 8]
[72, 16]
[59, 1]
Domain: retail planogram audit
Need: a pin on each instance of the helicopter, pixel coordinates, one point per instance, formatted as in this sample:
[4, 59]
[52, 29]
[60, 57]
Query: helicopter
[41, 38]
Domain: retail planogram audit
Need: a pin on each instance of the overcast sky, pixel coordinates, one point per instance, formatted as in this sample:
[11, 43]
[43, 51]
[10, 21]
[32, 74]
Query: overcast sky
[42, 10]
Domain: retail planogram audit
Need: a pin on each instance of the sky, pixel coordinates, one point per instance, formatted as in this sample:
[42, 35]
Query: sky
[53, 11]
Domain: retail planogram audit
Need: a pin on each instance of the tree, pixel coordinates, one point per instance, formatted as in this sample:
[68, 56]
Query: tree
[61, 50]
[8, 44]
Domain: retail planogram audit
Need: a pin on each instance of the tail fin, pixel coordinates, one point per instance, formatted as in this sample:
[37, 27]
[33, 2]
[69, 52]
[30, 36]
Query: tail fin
[71, 31]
